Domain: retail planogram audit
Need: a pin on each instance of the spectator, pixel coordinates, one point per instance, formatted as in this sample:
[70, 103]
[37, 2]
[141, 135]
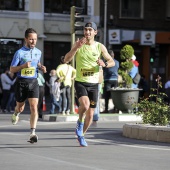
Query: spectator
[41, 82]
[11, 101]
[66, 73]
[96, 114]
[167, 90]
[134, 70]
[6, 86]
[56, 90]
[54, 103]
[110, 80]
[143, 84]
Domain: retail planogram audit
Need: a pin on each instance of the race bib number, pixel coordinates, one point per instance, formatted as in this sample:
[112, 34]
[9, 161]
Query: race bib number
[87, 72]
[28, 72]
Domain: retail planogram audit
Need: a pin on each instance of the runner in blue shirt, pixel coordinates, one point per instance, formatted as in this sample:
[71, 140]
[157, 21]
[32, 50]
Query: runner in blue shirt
[25, 64]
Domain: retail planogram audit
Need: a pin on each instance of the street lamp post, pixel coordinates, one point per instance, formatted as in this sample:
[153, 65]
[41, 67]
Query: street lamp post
[105, 21]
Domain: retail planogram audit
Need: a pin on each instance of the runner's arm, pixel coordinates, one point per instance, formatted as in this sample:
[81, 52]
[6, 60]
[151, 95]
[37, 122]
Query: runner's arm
[15, 69]
[78, 44]
[109, 60]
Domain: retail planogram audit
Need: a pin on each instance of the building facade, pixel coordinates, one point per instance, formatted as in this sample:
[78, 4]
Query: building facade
[143, 24]
[51, 20]
[146, 26]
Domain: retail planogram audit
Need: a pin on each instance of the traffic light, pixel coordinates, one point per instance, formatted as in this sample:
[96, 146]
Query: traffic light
[151, 60]
[74, 18]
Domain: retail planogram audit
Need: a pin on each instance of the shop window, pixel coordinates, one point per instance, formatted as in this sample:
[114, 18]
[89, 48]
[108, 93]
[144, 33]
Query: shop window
[12, 5]
[63, 6]
[8, 47]
[131, 9]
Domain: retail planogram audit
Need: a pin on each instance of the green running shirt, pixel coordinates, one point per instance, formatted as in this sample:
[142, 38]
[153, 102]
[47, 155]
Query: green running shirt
[86, 66]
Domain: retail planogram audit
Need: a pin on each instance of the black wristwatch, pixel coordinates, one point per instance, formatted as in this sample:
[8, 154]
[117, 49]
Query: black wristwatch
[106, 64]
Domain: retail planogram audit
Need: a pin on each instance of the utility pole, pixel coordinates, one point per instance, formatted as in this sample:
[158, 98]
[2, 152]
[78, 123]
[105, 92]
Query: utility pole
[105, 22]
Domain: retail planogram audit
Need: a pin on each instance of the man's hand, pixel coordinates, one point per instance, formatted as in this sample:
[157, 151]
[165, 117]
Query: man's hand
[80, 42]
[27, 64]
[100, 62]
[42, 68]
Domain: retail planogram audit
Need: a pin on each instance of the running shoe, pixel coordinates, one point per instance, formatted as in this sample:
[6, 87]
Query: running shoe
[63, 113]
[14, 118]
[94, 124]
[4, 111]
[33, 138]
[82, 141]
[68, 112]
[79, 128]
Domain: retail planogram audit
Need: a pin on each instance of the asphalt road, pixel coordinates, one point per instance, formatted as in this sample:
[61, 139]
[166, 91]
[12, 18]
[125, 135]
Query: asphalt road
[58, 149]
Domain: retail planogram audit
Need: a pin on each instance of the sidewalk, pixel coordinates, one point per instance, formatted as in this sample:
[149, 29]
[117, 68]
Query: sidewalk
[125, 117]
[103, 117]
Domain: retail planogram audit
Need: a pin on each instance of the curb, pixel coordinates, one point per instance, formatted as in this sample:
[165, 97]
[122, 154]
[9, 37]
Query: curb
[103, 117]
[147, 132]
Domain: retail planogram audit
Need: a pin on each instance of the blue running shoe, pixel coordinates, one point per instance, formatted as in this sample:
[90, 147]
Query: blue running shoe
[82, 141]
[79, 128]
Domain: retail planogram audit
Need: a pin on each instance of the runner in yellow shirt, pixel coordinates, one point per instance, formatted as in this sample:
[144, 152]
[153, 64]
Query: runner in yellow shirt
[87, 52]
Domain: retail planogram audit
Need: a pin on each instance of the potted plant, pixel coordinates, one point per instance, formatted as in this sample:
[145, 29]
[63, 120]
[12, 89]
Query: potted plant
[154, 110]
[124, 96]
[126, 65]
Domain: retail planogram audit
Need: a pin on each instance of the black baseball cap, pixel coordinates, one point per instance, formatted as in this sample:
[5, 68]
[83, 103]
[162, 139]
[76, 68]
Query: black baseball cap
[92, 25]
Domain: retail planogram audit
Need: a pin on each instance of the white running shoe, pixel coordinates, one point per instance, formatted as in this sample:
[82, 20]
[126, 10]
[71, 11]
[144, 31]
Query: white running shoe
[33, 138]
[67, 112]
[63, 113]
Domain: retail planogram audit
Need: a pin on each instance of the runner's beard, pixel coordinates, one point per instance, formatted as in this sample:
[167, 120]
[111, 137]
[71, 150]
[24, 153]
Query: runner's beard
[31, 46]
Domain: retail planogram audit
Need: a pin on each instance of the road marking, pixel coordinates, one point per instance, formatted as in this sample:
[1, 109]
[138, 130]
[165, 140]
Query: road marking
[48, 123]
[8, 126]
[89, 133]
[14, 134]
[56, 160]
[125, 145]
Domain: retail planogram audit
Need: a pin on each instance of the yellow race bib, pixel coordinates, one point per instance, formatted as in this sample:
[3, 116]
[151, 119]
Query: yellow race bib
[87, 72]
[28, 72]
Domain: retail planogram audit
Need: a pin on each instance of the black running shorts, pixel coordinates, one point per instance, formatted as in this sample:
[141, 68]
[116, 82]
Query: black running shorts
[26, 88]
[87, 89]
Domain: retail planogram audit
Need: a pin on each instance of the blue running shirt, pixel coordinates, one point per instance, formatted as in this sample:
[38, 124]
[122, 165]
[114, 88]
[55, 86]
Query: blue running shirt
[24, 55]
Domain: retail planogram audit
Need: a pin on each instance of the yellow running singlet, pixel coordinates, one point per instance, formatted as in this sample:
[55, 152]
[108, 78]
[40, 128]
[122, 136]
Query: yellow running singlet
[86, 66]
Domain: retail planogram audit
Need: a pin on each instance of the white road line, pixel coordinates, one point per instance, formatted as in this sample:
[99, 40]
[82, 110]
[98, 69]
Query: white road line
[39, 123]
[14, 134]
[125, 145]
[48, 123]
[8, 126]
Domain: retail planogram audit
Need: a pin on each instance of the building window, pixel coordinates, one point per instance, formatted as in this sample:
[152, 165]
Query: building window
[63, 6]
[131, 9]
[168, 9]
[12, 5]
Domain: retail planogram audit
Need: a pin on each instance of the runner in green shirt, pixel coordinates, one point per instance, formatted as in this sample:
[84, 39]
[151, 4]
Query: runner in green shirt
[87, 53]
